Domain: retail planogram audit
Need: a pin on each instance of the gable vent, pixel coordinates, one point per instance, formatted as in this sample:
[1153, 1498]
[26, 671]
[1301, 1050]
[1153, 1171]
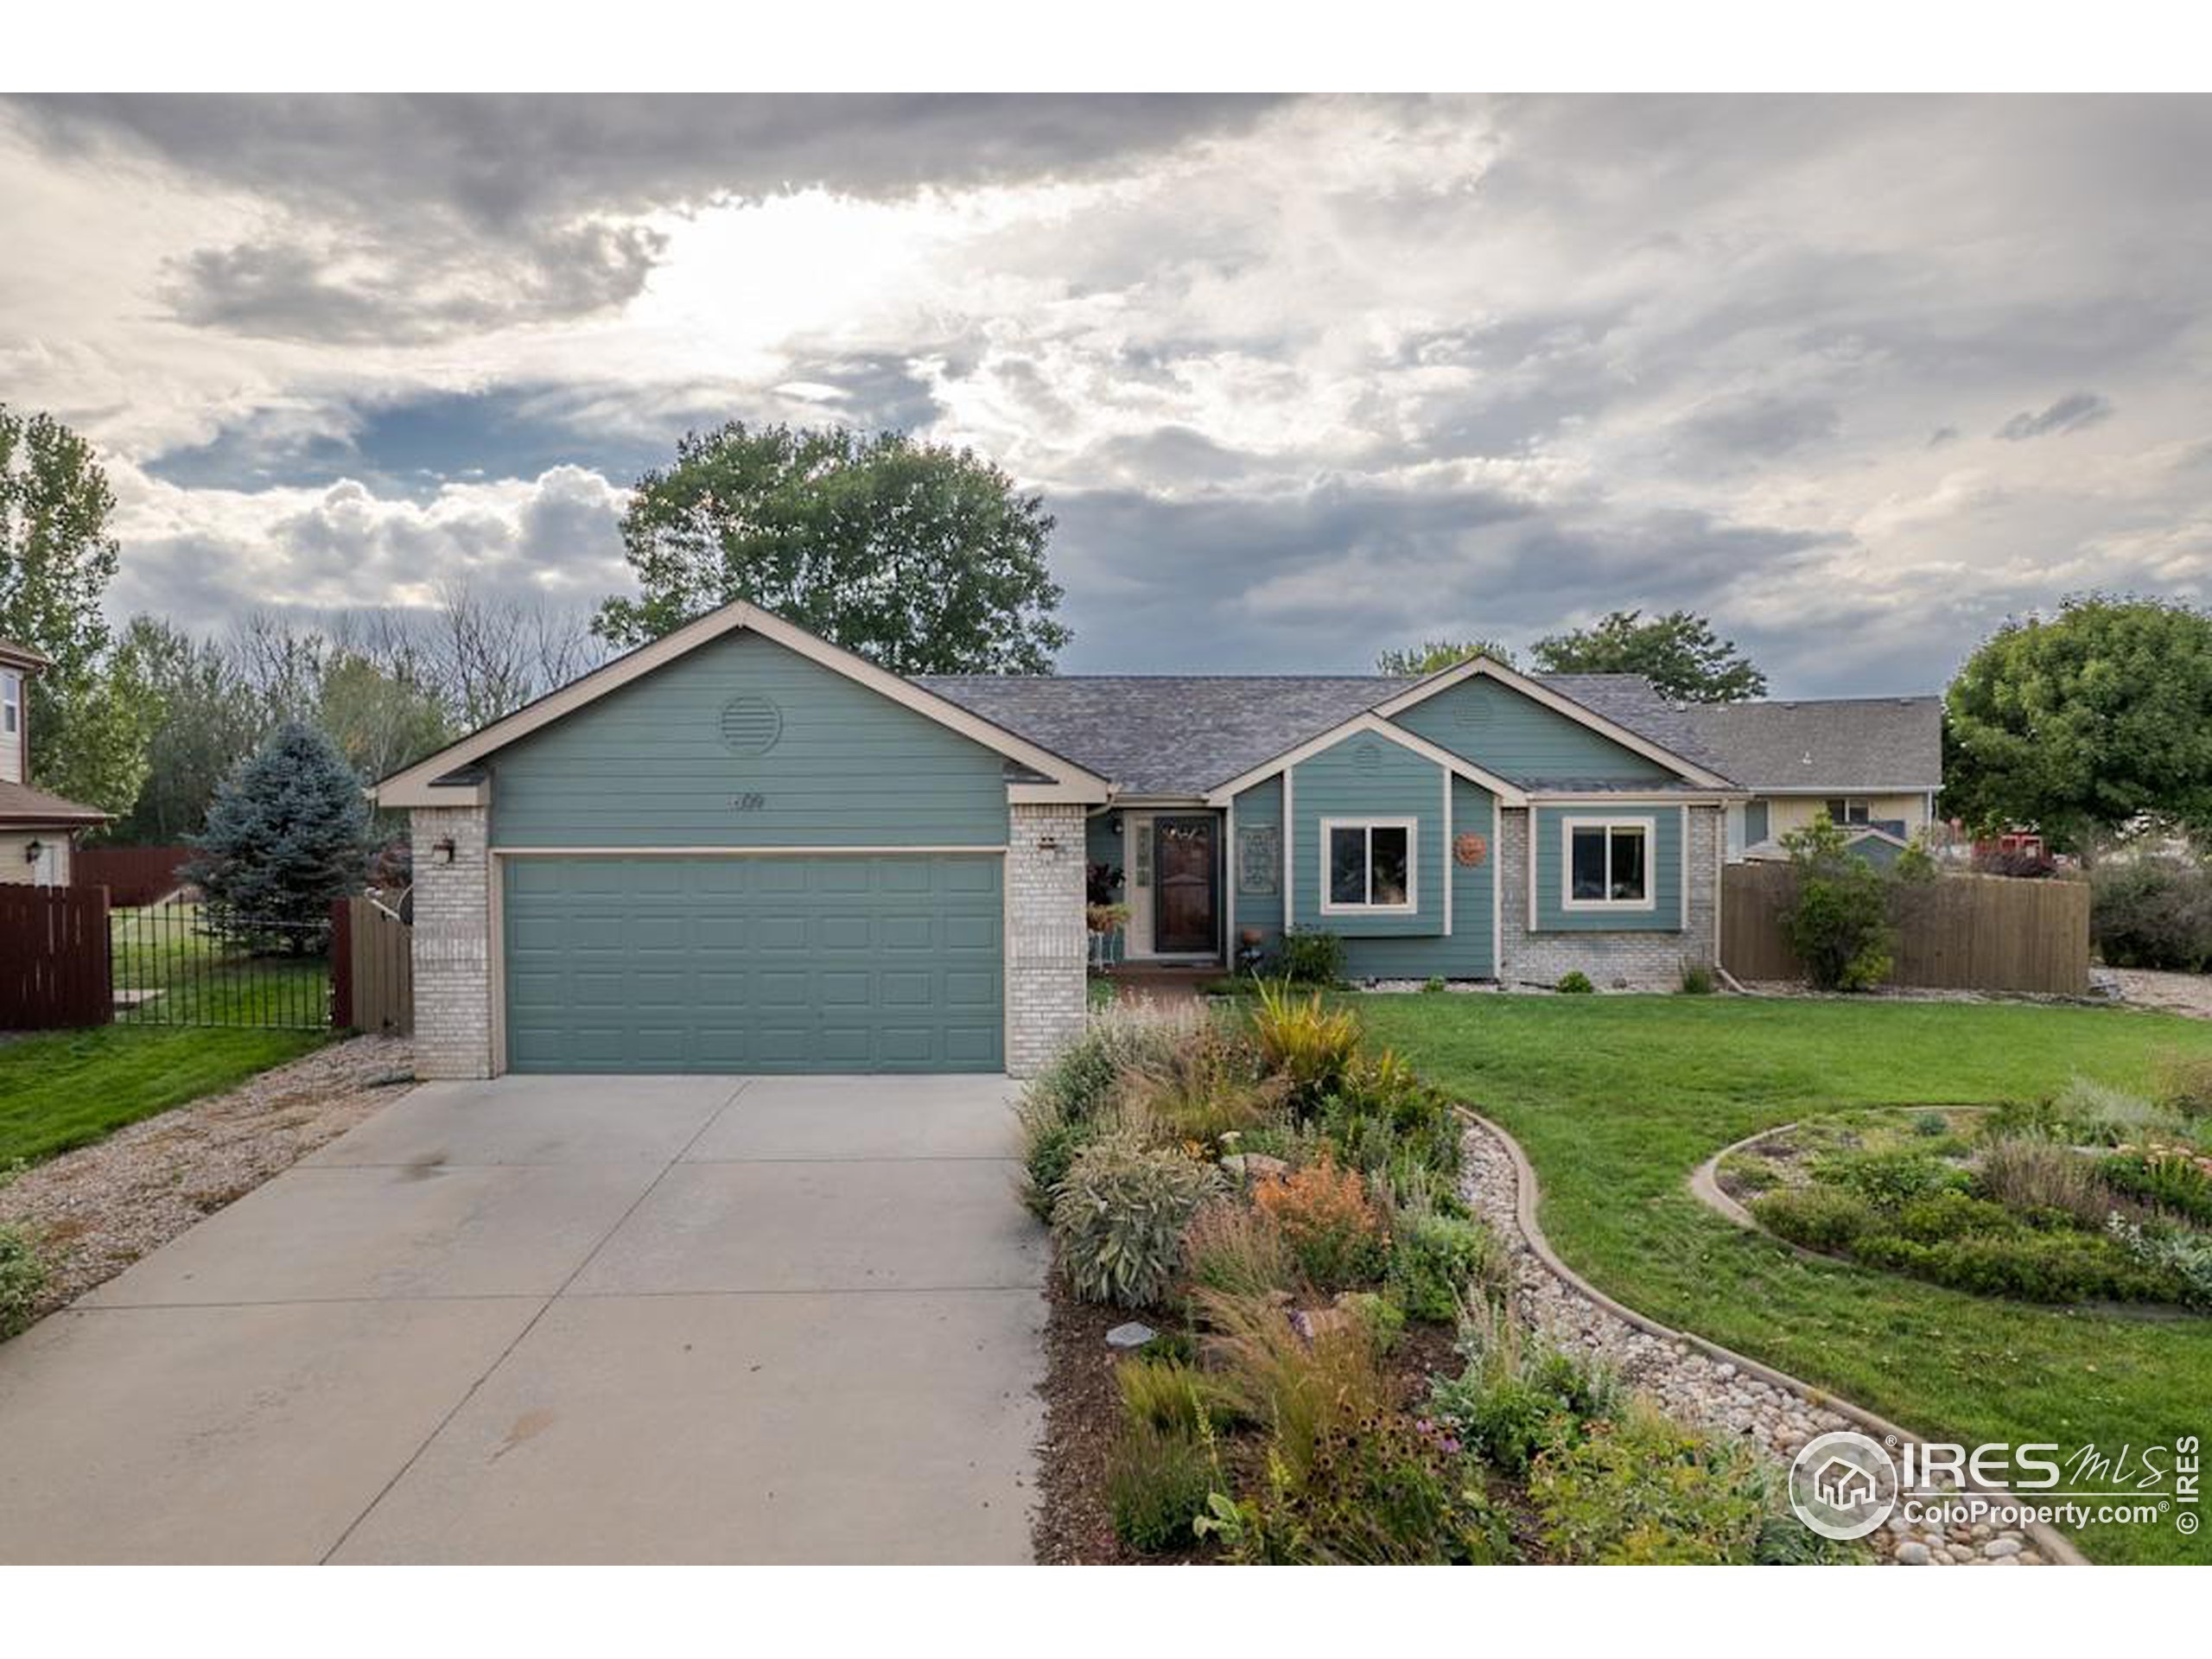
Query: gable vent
[751, 725]
[1367, 757]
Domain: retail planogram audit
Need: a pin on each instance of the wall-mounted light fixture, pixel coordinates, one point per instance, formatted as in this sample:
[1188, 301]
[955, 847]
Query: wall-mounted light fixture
[442, 849]
[33, 851]
[1113, 823]
[1049, 845]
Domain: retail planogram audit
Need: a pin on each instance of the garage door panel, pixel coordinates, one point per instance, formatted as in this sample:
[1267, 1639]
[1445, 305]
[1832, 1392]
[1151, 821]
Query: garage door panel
[780, 964]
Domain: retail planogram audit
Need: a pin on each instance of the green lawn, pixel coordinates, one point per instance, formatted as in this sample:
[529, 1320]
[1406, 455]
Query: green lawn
[201, 978]
[68, 1088]
[1616, 1099]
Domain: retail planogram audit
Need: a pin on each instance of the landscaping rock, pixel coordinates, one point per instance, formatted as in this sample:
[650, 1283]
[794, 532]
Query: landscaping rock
[1131, 1335]
[1682, 1381]
[1254, 1165]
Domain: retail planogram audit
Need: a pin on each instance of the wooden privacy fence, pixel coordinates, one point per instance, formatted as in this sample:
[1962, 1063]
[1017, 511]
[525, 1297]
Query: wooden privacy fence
[132, 875]
[1957, 933]
[53, 958]
[371, 969]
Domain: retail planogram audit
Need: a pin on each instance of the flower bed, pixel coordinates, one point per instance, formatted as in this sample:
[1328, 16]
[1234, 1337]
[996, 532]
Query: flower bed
[2089, 1195]
[1334, 1372]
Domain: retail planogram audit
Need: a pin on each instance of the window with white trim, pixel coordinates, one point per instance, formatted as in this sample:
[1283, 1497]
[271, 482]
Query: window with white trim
[1606, 864]
[11, 704]
[1848, 811]
[1367, 866]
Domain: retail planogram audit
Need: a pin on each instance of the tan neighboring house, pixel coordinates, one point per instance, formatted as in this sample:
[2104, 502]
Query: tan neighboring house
[1869, 763]
[37, 830]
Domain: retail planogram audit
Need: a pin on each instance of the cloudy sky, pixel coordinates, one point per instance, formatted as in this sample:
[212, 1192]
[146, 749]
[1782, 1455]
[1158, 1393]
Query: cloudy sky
[1301, 379]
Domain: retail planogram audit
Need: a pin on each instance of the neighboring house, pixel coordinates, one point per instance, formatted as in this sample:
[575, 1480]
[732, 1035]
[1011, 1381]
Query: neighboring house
[1870, 762]
[37, 830]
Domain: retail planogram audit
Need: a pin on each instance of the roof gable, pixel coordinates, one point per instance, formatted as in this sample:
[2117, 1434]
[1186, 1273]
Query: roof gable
[421, 784]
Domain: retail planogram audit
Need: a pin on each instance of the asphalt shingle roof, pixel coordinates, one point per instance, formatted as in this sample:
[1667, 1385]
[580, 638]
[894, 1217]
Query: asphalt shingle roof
[1842, 743]
[21, 806]
[1181, 734]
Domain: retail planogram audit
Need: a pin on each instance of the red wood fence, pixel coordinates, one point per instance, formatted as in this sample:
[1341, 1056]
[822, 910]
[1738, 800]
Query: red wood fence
[53, 958]
[132, 875]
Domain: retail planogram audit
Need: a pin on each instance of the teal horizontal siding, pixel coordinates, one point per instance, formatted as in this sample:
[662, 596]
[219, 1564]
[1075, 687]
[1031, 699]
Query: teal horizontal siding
[1503, 731]
[1466, 952]
[647, 765]
[1259, 808]
[1368, 776]
[1664, 917]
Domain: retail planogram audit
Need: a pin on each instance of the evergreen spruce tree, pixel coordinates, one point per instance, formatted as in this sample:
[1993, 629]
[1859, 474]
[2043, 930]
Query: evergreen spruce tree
[287, 833]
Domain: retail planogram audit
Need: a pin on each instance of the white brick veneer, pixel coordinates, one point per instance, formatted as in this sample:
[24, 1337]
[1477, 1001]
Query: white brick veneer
[1044, 937]
[1647, 961]
[452, 946]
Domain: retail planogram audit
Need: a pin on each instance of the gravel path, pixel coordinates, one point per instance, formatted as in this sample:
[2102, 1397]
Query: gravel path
[95, 1211]
[2145, 988]
[1691, 1385]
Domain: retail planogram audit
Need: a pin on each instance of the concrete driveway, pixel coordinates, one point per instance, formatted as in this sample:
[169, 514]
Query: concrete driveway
[565, 1319]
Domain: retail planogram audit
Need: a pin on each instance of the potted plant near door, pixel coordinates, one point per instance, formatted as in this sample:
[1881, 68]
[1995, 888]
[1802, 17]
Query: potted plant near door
[1105, 914]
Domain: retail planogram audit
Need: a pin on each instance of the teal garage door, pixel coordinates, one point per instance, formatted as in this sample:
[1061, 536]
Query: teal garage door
[766, 963]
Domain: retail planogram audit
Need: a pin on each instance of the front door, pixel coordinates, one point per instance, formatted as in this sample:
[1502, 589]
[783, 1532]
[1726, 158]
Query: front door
[1187, 887]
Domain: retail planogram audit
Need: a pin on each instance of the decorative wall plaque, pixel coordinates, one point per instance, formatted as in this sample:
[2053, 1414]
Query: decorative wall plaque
[1259, 860]
[1470, 849]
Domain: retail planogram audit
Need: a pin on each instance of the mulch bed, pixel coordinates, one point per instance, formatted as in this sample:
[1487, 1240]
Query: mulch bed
[1082, 1416]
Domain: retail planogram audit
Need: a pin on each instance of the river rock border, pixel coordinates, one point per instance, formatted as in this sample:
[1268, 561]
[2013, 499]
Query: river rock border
[1699, 1381]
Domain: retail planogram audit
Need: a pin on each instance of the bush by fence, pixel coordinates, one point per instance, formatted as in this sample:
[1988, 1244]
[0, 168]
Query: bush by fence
[2152, 912]
[1958, 932]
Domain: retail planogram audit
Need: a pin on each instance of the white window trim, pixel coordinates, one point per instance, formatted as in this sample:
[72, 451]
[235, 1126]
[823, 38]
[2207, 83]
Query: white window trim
[11, 702]
[1412, 827]
[1567, 901]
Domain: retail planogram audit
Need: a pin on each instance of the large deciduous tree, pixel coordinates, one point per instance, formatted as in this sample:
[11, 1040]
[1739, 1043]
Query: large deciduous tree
[2080, 722]
[922, 558]
[210, 720]
[1678, 652]
[93, 710]
[1434, 655]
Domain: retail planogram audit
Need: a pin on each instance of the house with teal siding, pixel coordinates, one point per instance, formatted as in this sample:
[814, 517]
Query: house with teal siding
[742, 848]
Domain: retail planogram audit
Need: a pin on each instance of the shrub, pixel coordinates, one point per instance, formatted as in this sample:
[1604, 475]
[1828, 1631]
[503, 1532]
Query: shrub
[2097, 1114]
[23, 1276]
[1381, 1493]
[1329, 1220]
[1433, 984]
[1085, 1079]
[1171, 1396]
[1697, 979]
[1119, 1217]
[1818, 1217]
[1574, 982]
[2184, 1083]
[1386, 1122]
[1233, 1247]
[1517, 1395]
[1436, 1260]
[1157, 1484]
[1650, 1491]
[1308, 956]
[2030, 1175]
[1838, 922]
[1952, 1214]
[2043, 1267]
[2182, 1257]
[2172, 1180]
[2151, 911]
[1886, 1179]
[1050, 1142]
[1310, 1047]
[1208, 1085]
[1930, 1124]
